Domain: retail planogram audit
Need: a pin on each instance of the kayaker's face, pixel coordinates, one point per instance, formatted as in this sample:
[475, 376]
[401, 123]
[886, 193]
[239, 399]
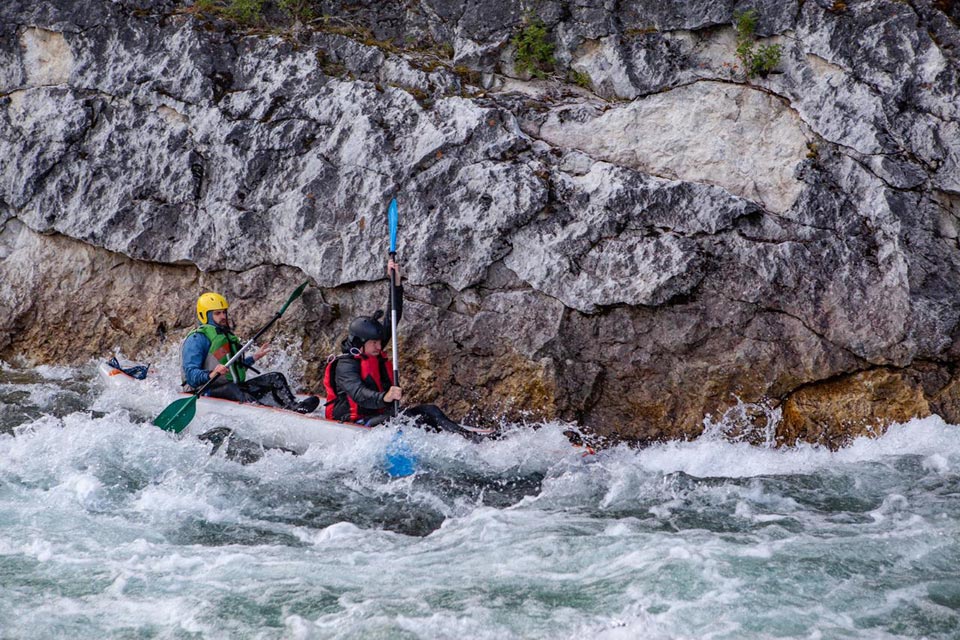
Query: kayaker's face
[372, 348]
[220, 318]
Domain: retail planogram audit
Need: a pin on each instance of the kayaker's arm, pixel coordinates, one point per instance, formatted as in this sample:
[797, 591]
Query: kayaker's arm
[195, 350]
[349, 381]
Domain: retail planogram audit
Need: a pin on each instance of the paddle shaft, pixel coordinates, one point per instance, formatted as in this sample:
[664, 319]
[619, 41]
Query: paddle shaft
[393, 331]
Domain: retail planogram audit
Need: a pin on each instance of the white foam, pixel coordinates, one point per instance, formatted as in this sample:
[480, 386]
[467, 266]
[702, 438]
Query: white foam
[937, 462]
[714, 457]
[51, 372]
[42, 550]
[338, 531]
[83, 487]
[39, 395]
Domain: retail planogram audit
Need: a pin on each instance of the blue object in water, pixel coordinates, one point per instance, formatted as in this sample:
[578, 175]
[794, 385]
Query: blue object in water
[138, 371]
[399, 460]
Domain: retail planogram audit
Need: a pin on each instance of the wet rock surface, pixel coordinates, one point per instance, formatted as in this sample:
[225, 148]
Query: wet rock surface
[641, 238]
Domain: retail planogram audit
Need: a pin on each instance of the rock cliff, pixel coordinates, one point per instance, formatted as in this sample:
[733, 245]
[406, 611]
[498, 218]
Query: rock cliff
[627, 229]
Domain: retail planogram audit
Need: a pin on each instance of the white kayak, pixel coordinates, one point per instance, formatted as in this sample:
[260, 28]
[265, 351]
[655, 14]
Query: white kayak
[271, 427]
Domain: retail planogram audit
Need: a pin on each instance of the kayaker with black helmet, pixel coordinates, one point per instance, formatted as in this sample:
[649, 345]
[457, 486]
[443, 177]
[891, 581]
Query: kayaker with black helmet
[206, 350]
[359, 382]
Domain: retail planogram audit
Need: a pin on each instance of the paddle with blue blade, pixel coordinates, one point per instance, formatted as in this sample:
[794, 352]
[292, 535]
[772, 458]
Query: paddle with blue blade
[392, 220]
[400, 461]
[179, 413]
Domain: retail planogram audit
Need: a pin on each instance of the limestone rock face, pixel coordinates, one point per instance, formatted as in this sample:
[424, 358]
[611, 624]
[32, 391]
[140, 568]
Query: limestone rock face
[642, 238]
[709, 133]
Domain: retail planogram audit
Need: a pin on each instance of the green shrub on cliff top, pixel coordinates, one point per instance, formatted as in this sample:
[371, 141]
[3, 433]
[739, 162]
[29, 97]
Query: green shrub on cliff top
[534, 52]
[298, 9]
[245, 11]
[581, 79]
[205, 6]
[756, 60]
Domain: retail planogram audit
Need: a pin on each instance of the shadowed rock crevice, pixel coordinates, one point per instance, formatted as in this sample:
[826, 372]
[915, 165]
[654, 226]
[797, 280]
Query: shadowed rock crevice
[833, 412]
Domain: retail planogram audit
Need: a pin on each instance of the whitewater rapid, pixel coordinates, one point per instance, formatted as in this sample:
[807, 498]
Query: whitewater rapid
[110, 528]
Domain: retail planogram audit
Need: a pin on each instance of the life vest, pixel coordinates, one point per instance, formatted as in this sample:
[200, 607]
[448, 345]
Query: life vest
[375, 372]
[223, 345]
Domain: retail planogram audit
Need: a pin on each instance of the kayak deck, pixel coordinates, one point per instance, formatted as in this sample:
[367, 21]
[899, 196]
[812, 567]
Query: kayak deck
[270, 426]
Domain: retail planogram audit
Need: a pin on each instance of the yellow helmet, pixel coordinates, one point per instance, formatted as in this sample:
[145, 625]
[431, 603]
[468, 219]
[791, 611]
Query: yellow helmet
[210, 301]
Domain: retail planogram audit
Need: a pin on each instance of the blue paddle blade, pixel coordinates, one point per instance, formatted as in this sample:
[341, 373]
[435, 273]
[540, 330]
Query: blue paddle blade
[392, 216]
[399, 461]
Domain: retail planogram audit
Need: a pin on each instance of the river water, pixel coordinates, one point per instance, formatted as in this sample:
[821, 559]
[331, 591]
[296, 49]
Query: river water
[111, 528]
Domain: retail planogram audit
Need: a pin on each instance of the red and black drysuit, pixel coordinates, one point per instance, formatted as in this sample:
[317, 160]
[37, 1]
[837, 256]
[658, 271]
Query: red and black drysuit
[360, 382]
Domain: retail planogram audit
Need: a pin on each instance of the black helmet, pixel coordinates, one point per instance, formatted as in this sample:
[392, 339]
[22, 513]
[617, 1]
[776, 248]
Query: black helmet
[365, 328]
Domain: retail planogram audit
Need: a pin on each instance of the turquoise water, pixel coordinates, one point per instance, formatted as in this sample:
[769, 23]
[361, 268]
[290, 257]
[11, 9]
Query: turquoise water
[110, 528]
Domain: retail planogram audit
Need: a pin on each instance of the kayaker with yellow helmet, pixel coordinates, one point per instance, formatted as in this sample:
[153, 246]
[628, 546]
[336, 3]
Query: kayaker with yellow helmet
[207, 349]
